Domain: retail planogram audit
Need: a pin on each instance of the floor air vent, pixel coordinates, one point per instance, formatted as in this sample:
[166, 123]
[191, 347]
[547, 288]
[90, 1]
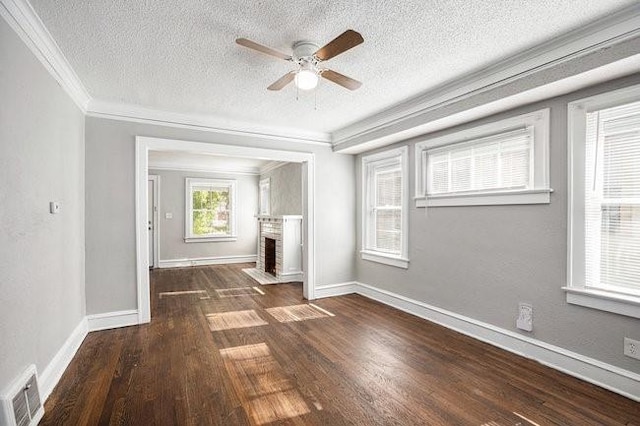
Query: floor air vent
[21, 405]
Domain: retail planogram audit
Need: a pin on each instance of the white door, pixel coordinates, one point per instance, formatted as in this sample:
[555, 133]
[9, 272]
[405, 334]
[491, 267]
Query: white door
[151, 217]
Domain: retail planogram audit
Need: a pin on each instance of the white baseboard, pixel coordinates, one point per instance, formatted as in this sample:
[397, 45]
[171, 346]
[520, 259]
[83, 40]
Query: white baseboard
[615, 379]
[56, 367]
[288, 277]
[110, 320]
[200, 261]
[339, 289]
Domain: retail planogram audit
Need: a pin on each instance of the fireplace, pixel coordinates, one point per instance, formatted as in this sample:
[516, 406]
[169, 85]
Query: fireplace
[270, 256]
[280, 247]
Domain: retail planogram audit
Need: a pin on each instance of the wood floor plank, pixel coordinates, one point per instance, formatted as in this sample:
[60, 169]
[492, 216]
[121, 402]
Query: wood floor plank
[369, 364]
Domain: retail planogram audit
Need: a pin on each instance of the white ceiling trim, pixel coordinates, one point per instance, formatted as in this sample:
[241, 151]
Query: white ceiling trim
[598, 75]
[120, 111]
[249, 171]
[601, 34]
[271, 165]
[20, 15]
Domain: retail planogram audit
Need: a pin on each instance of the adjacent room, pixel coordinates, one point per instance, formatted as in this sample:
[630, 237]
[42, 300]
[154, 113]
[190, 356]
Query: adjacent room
[385, 212]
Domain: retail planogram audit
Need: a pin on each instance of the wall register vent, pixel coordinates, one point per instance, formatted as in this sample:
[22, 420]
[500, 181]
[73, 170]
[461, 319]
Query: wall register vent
[21, 405]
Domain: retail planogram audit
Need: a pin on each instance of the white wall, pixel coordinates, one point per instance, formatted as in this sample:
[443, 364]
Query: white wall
[42, 297]
[172, 200]
[110, 157]
[286, 189]
[481, 261]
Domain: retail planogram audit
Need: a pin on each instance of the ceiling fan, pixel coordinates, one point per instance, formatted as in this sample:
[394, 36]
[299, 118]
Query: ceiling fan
[308, 57]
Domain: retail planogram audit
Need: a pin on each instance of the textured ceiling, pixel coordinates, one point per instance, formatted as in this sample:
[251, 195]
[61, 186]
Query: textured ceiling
[181, 56]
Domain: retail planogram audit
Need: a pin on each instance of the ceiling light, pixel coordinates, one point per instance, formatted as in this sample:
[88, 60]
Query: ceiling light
[306, 79]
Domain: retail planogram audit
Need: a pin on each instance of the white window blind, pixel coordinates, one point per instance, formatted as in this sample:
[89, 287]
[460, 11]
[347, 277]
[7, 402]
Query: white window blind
[612, 199]
[387, 208]
[498, 162]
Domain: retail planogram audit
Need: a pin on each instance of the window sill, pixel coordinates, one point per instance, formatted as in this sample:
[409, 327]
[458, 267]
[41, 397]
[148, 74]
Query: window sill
[226, 238]
[386, 259]
[622, 304]
[530, 196]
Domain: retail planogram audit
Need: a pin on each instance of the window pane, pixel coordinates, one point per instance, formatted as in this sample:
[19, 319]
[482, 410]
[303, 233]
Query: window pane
[440, 177]
[622, 165]
[461, 171]
[199, 199]
[388, 230]
[389, 188]
[495, 162]
[515, 169]
[612, 198]
[202, 222]
[620, 249]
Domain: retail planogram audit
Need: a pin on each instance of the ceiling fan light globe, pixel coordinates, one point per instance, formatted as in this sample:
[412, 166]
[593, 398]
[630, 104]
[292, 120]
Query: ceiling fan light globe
[306, 80]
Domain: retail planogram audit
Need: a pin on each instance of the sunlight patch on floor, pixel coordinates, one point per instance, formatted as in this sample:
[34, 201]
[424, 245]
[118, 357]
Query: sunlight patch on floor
[526, 419]
[181, 293]
[234, 319]
[298, 312]
[239, 291]
[265, 391]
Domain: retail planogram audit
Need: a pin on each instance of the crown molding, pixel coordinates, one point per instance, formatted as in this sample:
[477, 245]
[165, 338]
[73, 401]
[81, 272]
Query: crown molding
[601, 34]
[120, 111]
[271, 165]
[24, 20]
[175, 167]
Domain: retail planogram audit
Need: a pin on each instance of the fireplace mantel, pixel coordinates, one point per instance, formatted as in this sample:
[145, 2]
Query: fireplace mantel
[286, 231]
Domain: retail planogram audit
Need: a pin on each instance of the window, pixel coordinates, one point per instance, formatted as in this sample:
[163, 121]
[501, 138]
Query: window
[505, 162]
[210, 205]
[265, 197]
[385, 207]
[604, 228]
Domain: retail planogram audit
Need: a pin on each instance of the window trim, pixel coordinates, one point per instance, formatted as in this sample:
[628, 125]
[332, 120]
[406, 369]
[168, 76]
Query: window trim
[262, 211]
[188, 217]
[538, 194]
[368, 161]
[620, 302]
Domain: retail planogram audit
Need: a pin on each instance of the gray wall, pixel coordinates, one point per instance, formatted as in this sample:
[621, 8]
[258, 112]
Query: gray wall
[110, 213]
[42, 295]
[286, 189]
[172, 200]
[481, 261]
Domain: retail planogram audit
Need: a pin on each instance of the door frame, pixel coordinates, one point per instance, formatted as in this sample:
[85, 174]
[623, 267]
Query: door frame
[156, 218]
[145, 144]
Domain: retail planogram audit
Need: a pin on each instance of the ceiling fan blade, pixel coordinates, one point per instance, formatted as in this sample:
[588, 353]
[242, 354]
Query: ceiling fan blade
[262, 49]
[282, 81]
[341, 80]
[340, 44]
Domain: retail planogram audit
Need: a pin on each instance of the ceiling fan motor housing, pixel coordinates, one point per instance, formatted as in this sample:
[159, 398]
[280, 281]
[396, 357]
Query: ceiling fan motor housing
[304, 49]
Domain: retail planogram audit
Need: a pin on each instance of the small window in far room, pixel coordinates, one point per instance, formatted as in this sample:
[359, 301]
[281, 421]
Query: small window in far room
[210, 210]
[265, 197]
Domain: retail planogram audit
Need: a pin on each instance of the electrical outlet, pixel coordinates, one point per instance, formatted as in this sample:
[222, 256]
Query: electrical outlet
[632, 348]
[525, 317]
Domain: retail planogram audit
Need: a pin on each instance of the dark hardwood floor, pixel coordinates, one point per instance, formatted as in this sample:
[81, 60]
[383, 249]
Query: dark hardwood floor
[216, 353]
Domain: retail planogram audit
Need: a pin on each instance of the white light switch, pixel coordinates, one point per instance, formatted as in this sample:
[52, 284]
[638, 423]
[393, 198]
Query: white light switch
[168, 215]
[54, 207]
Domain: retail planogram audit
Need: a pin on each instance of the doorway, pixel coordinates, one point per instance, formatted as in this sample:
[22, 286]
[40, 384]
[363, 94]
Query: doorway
[145, 144]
